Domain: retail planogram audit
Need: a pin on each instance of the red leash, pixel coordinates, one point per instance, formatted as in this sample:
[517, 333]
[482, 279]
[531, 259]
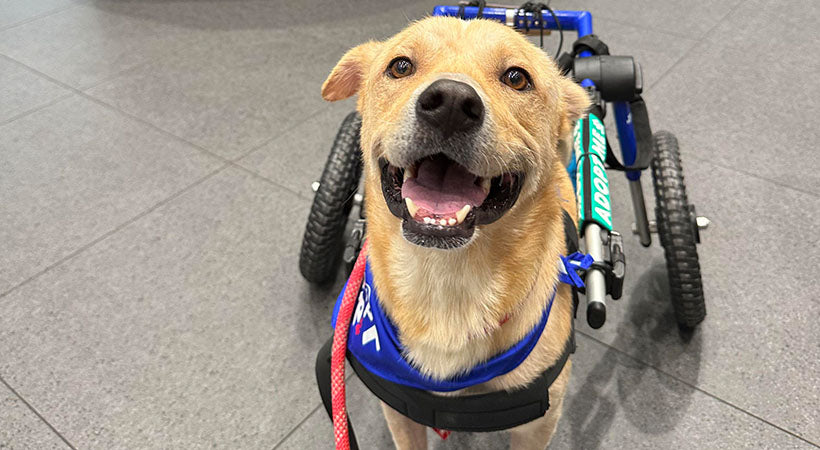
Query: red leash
[339, 349]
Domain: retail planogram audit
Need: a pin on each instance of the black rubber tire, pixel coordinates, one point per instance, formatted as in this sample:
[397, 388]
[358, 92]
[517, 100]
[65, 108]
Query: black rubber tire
[322, 243]
[677, 232]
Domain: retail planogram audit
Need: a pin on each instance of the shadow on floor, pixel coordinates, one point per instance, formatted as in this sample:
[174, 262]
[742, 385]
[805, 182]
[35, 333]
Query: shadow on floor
[649, 330]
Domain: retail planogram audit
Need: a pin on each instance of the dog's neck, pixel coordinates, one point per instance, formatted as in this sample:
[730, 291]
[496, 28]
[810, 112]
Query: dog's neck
[449, 305]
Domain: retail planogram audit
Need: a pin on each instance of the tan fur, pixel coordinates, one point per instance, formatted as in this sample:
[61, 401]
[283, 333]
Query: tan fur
[447, 304]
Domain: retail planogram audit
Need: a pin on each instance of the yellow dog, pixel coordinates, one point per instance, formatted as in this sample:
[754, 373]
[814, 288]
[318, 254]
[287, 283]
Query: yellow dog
[464, 125]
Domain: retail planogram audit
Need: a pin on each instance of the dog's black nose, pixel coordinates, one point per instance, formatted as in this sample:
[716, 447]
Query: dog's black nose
[450, 106]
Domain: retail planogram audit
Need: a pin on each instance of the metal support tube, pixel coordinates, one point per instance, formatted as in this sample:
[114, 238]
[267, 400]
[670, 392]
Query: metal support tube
[595, 281]
[638, 205]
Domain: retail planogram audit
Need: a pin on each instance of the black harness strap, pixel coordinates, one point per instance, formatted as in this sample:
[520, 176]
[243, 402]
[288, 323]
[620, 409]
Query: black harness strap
[643, 139]
[492, 411]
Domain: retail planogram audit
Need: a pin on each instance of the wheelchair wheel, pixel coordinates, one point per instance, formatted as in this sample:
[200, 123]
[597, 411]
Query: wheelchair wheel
[322, 243]
[678, 231]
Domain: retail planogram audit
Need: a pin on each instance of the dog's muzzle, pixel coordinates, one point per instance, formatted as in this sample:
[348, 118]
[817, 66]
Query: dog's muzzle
[430, 179]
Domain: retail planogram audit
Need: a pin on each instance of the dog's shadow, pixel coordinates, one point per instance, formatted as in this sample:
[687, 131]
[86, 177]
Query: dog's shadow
[647, 339]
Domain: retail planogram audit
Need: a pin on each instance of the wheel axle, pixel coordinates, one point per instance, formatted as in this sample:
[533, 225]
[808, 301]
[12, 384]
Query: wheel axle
[702, 222]
[357, 198]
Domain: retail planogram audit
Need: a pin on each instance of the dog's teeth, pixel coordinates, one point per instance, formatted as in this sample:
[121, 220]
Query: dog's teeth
[411, 207]
[451, 221]
[407, 174]
[462, 213]
[485, 184]
[427, 220]
[443, 222]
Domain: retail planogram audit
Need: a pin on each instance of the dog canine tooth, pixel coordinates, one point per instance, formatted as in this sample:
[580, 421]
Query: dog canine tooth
[485, 184]
[407, 174]
[462, 213]
[411, 207]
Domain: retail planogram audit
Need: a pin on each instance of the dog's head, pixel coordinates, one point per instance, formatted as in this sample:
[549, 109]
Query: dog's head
[460, 120]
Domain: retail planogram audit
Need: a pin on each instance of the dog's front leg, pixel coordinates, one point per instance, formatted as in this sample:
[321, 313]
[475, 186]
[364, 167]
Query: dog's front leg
[537, 434]
[407, 435]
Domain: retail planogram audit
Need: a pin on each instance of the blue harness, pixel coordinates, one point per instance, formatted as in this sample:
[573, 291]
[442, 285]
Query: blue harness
[374, 341]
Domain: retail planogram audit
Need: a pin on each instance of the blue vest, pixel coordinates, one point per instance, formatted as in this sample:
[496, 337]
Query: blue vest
[373, 338]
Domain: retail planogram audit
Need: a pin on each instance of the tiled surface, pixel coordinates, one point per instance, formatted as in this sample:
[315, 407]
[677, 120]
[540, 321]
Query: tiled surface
[740, 112]
[188, 327]
[227, 95]
[149, 291]
[86, 44]
[296, 159]
[23, 91]
[75, 170]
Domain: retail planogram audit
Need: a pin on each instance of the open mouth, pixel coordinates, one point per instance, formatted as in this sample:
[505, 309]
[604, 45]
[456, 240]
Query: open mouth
[441, 202]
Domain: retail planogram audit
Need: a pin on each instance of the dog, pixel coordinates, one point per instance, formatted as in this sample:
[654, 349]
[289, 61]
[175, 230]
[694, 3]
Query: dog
[464, 138]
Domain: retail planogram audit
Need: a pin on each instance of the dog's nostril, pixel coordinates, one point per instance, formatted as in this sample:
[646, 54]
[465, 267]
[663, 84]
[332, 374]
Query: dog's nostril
[431, 101]
[472, 108]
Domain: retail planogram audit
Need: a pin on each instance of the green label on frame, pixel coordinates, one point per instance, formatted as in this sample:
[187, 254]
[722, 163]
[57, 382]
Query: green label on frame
[591, 180]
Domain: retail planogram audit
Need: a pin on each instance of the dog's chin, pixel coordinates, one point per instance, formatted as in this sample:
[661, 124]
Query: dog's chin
[437, 187]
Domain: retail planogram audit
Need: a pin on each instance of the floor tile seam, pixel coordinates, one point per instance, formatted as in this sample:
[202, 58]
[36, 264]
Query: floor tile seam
[624, 22]
[83, 92]
[308, 416]
[255, 174]
[66, 85]
[280, 134]
[36, 412]
[90, 244]
[37, 108]
[39, 16]
[713, 162]
[296, 427]
[697, 43]
[114, 108]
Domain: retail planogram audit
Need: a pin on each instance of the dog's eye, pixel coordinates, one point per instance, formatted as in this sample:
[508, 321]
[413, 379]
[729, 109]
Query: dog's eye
[517, 79]
[400, 67]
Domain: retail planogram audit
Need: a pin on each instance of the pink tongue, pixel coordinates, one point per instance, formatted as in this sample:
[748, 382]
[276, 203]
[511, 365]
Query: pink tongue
[442, 187]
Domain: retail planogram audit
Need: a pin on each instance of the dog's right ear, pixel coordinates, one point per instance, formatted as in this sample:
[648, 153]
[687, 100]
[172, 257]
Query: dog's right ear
[346, 78]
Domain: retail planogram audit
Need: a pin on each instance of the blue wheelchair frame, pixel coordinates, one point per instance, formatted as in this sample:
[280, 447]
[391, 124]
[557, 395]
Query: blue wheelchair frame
[581, 23]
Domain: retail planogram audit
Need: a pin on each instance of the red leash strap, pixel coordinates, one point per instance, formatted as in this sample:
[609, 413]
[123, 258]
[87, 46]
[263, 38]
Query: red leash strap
[339, 349]
[443, 434]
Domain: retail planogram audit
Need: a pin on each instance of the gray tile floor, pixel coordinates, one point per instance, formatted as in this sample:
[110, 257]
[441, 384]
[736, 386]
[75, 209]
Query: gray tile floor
[155, 164]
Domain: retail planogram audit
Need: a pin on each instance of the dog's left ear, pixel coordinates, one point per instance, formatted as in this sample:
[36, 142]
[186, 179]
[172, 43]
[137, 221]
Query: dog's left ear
[346, 78]
[576, 99]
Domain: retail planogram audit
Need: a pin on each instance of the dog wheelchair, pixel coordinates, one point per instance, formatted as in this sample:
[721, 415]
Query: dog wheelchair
[611, 81]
